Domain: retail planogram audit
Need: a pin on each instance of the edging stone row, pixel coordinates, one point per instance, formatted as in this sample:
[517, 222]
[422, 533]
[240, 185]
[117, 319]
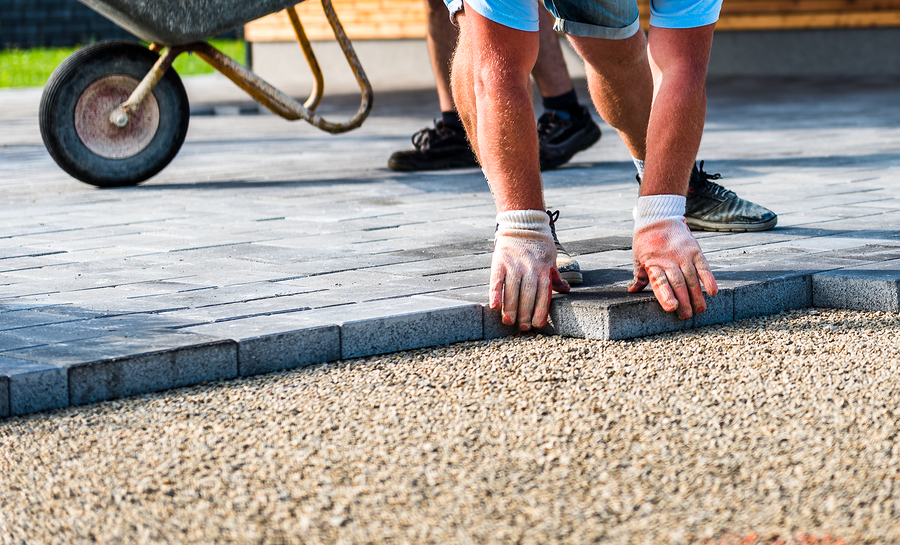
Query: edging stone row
[81, 371]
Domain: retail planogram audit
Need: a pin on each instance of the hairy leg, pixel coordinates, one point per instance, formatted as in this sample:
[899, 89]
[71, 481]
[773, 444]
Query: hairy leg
[492, 90]
[621, 85]
[550, 71]
[441, 38]
[678, 61]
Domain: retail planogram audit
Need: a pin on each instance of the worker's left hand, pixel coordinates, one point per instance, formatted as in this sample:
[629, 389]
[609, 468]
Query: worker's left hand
[668, 257]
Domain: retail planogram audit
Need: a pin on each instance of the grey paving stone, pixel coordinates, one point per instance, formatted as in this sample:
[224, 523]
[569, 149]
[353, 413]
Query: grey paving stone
[719, 308]
[277, 342]
[47, 334]
[4, 397]
[874, 287]
[115, 366]
[610, 313]
[492, 322]
[602, 309]
[74, 311]
[869, 252]
[31, 386]
[440, 265]
[405, 323]
[7, 305]
[26, 262]
[221, 313]
[493, 326]
[427, 321]
[10, 321]
[772, 296]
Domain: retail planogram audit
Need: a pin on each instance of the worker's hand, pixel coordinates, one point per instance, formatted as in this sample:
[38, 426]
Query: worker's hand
[668, 257]
[523, 270]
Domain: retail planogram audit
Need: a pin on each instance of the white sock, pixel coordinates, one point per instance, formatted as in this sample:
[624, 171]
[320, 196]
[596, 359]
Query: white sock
[658, 207]
[640, 167]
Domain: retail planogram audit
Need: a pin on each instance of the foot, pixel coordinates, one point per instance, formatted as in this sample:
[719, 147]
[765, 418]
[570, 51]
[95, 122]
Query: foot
[711, 207]
[559, 138]
[566, 264]
[442, 147]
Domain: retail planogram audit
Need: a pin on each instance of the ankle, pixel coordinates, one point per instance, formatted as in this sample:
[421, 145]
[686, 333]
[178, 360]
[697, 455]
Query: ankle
[451, 119]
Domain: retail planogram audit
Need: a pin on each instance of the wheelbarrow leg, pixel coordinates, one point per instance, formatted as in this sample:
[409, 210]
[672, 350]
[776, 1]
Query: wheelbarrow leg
[318, 80]
[121, 115]
[349, 52]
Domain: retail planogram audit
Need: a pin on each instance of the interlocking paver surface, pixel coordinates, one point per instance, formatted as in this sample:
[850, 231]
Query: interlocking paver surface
[259, 223]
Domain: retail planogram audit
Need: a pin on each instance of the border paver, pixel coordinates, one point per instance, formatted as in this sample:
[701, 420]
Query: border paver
[28, 387]
[263, 248]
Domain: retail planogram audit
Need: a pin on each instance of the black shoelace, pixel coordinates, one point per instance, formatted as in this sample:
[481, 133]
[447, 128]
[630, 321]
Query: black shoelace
[705, 180]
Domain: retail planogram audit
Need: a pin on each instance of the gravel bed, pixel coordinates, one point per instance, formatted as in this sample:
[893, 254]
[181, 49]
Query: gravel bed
[769, 430]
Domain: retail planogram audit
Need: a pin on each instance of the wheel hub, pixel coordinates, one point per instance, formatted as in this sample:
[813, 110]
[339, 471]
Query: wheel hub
[92, 121]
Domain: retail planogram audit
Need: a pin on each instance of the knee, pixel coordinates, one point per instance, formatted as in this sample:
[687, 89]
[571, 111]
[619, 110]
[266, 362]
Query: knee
[605, 55]
[686, 73]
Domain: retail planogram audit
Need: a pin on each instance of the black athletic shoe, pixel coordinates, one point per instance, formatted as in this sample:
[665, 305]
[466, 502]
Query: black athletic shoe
[566, 264]
[711, 207]
[438, 148]
[559, 139]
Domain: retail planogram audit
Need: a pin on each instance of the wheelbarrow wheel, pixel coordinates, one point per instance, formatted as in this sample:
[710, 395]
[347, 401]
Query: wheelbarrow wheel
[76, 104]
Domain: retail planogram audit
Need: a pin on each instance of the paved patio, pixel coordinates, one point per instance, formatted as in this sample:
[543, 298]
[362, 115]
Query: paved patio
[268, 245]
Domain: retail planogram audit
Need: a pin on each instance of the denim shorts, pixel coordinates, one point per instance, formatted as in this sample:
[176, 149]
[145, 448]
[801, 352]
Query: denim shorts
[610, 19]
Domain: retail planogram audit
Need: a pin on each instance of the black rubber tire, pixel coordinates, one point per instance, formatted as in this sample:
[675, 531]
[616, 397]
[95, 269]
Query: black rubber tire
[73, 77]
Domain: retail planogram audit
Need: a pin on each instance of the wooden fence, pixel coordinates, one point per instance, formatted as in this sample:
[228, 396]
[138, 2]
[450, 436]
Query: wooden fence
[391, 19]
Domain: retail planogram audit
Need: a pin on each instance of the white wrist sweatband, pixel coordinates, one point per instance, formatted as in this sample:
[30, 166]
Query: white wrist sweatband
[658, 207]
[527, 223]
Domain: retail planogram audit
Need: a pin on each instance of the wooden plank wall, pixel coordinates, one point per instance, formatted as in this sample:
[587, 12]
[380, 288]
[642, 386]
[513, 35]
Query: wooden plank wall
[361, 19]
[799, 14]
[391, 19]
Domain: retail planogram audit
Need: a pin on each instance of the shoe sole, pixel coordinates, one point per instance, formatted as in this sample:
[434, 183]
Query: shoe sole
[587, 141]
[702, 225]
[444, 165]
[572, 277]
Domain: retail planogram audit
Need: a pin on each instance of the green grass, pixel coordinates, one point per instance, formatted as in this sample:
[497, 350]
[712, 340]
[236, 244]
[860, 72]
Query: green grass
[192, 65]
[32, 67]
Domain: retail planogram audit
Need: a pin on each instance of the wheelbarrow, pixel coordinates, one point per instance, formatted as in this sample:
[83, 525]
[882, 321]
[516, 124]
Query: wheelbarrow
[115, 113]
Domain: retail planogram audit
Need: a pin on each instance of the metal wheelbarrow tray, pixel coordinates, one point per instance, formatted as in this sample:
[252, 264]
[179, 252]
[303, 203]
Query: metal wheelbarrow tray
[115, 113]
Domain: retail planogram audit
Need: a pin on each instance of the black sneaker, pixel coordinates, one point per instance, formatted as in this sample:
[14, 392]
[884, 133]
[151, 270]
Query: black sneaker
[559, 139]
[566, 264]
[438, 148]
[711, 207]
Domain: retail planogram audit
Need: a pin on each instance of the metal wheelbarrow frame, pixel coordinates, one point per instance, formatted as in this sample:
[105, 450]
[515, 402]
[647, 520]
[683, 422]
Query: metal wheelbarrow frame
[108, 124]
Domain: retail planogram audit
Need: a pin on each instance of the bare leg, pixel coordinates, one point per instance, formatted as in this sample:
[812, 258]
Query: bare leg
[492, 90]
[441, 38]
[663, 122]
[550, 71]
[621, 85]
[678, 60]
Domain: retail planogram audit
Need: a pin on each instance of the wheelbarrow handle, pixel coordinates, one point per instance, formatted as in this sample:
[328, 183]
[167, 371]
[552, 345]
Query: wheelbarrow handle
[280, 103]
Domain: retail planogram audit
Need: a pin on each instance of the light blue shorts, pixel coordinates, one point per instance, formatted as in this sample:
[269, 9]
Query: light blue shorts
[610, 19]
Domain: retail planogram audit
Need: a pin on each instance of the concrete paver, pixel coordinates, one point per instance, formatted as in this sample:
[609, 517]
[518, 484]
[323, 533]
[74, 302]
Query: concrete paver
[267, 245]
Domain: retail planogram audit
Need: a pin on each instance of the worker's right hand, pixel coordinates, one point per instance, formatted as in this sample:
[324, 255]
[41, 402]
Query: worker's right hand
[523, 270]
